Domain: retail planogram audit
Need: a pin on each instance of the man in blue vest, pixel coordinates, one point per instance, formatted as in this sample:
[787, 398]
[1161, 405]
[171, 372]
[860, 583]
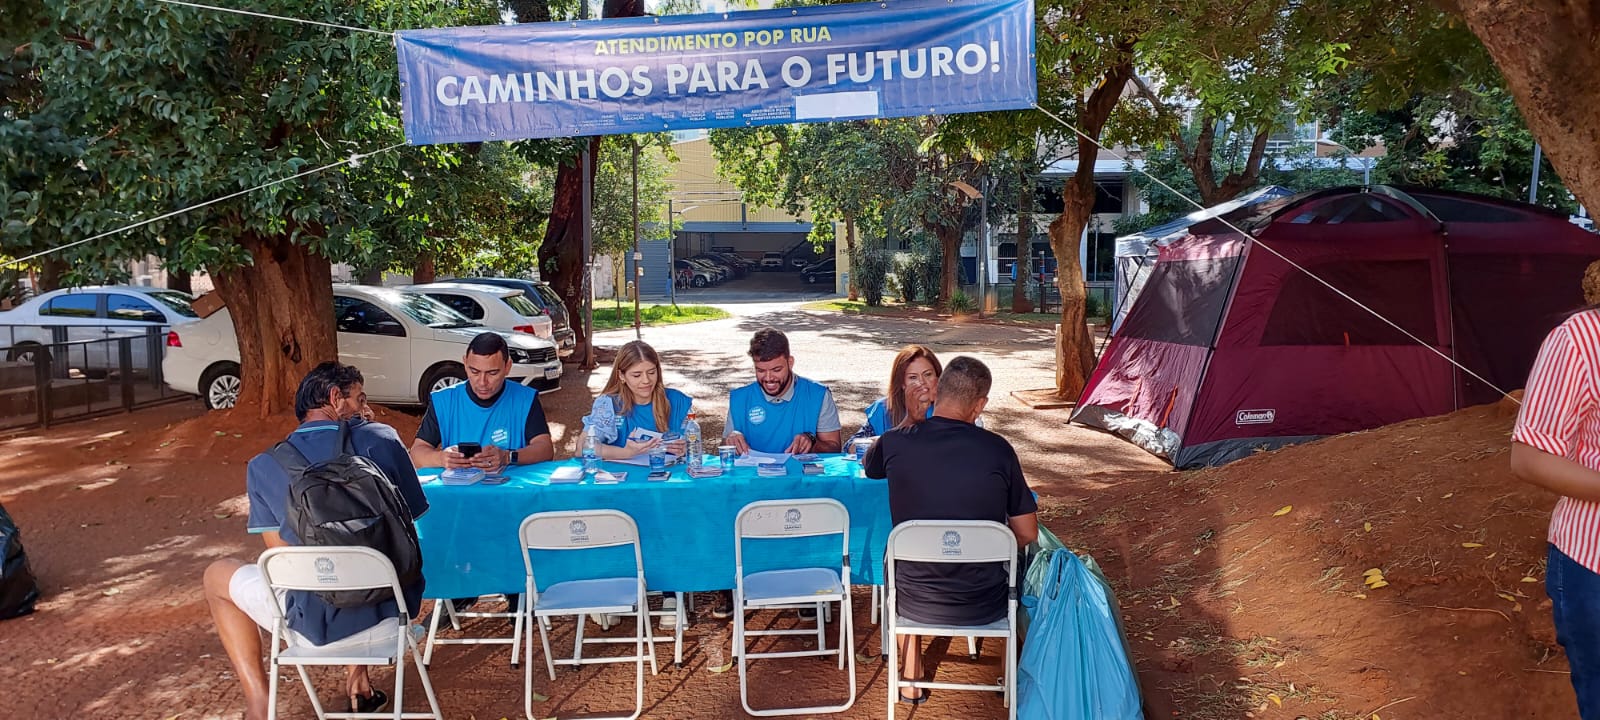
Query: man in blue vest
[504, 419]
[781, 412]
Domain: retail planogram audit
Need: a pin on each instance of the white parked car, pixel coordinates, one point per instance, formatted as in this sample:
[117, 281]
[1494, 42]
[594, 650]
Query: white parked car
[92, 313]
[499, 308]
[771, 261]
[406, 344]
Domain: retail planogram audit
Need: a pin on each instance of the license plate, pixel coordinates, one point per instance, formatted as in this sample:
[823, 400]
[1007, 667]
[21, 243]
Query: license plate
[552, 373]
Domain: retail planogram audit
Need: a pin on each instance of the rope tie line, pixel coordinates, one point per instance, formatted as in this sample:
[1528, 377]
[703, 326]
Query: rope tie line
[1281, 256]
[354, 159]
[275, 17]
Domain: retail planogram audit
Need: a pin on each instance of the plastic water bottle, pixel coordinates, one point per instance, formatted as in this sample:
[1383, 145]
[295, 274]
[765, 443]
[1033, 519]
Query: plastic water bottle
[691, 436]
[591, 453]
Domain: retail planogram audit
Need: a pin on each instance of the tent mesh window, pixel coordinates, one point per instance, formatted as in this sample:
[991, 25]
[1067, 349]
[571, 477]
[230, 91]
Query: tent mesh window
[1182, 302]
[1456, 210]
[1308, 313]
[1348, 209]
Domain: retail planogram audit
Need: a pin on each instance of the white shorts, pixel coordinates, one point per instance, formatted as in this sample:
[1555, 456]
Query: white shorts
[248, 590]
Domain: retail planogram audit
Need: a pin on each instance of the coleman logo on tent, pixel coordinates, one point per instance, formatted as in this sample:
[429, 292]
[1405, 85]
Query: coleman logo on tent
[1255, 417]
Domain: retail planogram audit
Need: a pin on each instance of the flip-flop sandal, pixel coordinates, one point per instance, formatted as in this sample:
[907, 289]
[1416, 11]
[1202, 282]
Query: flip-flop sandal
[920, 699]
[378, 701]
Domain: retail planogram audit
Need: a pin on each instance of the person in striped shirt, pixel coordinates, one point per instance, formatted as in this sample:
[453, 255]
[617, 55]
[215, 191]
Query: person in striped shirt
[1556, 445]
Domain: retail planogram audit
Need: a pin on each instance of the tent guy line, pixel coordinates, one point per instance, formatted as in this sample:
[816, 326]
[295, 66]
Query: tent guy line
[354, 159]
[1281, 256]
[276, 17]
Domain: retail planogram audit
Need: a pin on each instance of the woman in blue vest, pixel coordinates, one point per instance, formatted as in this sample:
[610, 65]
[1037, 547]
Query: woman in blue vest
[635, 398]
[913, 385]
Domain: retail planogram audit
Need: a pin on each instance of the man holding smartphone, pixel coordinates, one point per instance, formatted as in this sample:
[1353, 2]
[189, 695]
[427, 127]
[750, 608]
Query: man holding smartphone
[485, 422]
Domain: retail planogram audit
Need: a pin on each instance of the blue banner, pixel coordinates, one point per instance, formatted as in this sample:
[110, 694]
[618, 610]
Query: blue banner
[764, 67]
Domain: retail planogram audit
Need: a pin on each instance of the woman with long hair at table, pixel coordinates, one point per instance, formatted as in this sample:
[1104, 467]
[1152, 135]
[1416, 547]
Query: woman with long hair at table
[913, 385]
[636, 398]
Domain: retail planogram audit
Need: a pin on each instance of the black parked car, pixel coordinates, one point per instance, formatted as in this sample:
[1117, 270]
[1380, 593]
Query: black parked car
[546, 298]
[820, 271]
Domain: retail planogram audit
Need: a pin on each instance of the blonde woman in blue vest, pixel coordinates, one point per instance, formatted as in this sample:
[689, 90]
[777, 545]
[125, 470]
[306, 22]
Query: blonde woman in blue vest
[636, 398]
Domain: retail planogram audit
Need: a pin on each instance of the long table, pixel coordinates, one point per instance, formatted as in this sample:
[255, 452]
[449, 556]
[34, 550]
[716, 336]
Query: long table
[470, 545]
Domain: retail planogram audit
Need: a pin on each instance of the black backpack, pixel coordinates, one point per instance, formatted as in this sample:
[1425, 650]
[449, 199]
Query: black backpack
[347, 500]
[18, 588]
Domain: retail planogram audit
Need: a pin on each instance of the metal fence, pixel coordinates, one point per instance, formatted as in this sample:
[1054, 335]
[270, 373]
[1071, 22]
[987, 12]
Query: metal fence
[53, 374]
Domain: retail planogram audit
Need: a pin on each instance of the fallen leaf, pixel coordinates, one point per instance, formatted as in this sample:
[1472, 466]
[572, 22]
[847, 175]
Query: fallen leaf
[1447, 496]
[1372, 571]
[1361, 596]
[1275, 699]
[1506, 596]
[1375, 717]
[1379, 584]
[1490, 556]
[1462, 673]
[721, 668]
[1472, 545]
[1283, 511]
[110, 591]
[219, 433]
[225, 516]
[1516, 607]
[1367, 527]
[1530, 579]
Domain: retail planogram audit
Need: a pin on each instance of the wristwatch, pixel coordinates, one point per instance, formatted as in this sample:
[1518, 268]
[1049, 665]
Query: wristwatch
[513, 458]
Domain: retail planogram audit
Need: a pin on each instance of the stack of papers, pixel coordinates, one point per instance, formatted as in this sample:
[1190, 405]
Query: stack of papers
[461, 476]
[755, 459]
[608, 478]
[567, 475]
[772, 470]
[811, 468]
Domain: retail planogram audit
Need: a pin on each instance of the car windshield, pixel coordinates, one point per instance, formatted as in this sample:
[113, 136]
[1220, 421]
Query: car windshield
[176, 302]
[550, 296]
[424, 310]
[522, 305]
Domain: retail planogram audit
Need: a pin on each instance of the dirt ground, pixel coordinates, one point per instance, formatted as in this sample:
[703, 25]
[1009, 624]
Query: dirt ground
[1233, 610]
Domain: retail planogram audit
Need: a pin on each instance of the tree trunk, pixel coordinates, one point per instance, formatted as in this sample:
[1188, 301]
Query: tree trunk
[561, 252]
[180, 280]
[1201, 161]
[49, 278]
[850, 252]
[950, 247]
[282, 309]
[1020, 302]
[425, 272]
[1545, 48]
[1074, 344]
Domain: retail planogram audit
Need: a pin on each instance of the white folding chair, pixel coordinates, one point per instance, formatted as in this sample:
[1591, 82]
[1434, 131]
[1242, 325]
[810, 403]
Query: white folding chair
[333, 569]
[586, 530]
[798, 588]
[447, 609]
[952, 541]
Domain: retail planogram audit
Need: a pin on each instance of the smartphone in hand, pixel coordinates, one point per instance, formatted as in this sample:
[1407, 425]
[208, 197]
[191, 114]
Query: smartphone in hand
[468, 449]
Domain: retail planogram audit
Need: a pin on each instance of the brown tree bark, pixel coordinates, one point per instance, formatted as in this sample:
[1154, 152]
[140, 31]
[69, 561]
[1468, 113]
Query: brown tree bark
[1200, 160]
[1074, 344]
[950, 248]
[561, 252]
[850, 252]
[282, 310]
[180, 280]
[49, 277]
[426, 270]
[1020, 302]
[1549, 53]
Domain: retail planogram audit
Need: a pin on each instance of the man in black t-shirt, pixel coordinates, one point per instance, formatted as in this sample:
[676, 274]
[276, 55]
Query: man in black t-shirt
[947, 468]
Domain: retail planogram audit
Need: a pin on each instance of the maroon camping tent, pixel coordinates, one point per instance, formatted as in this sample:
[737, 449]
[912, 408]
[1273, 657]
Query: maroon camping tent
[1231, 349]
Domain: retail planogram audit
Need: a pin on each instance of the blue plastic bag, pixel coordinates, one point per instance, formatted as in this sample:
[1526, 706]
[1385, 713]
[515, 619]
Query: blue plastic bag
[1074, 665]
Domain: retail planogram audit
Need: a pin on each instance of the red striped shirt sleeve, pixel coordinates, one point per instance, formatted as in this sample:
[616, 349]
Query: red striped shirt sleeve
[1559, 393]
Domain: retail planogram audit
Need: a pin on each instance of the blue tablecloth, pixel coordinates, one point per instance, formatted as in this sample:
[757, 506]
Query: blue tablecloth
[470, 545]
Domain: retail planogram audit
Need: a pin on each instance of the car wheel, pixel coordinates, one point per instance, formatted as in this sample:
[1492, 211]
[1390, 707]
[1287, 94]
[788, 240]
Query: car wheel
[444, 376]
[27, 352]
[699, 281]
[219, 386]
